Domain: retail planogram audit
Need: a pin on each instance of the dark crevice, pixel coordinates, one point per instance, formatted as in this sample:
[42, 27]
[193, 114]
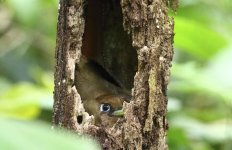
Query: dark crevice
[106, 41]
[79, 119]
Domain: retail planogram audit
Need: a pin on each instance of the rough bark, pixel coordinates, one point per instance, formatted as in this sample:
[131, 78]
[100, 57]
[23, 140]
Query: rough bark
[144, 125]
[152, 35]
[68, 49]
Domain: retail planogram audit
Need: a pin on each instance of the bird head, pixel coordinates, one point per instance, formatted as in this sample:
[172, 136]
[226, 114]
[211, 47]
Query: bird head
[106, 109]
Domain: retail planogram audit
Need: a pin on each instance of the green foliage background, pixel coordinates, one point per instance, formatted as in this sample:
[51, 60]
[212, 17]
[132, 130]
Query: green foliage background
[199, 92]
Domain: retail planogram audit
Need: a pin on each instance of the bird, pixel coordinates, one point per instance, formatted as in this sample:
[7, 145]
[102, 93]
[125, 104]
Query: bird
[101, 93]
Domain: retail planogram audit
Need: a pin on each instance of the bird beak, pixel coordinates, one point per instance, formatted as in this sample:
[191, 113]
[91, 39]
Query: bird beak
[118, 113]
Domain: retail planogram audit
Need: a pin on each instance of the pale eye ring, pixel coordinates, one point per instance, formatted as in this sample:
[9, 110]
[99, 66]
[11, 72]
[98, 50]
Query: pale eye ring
[105, 107]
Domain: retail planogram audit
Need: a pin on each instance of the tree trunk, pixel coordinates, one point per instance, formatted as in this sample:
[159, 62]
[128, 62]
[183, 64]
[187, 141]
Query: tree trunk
[148, 31]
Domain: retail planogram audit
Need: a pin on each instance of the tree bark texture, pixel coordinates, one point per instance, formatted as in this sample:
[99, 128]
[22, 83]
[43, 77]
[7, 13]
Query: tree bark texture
[150, 37]
[68, 49]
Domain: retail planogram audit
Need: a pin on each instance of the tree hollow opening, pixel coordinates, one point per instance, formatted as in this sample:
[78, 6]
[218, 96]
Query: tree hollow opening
[106, 41]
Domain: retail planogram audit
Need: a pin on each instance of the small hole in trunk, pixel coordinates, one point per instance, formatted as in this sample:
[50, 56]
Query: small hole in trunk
[79, 119]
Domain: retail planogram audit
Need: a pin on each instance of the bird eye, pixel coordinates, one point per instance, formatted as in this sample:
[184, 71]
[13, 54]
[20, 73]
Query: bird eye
[105, 108]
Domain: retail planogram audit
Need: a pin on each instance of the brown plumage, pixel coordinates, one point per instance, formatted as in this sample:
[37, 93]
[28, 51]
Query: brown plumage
[101, 94]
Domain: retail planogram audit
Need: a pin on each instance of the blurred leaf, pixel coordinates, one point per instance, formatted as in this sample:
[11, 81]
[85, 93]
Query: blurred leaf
[219, 73]
[215, 78]
[4, 85]
[42, 78]
[196, 10]
[180, 143]
[207, 113]
[23, 101]
[185, 77]
[197, 39]
[173, 104]
[215, 132]
[25, 10]
[15, 135]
